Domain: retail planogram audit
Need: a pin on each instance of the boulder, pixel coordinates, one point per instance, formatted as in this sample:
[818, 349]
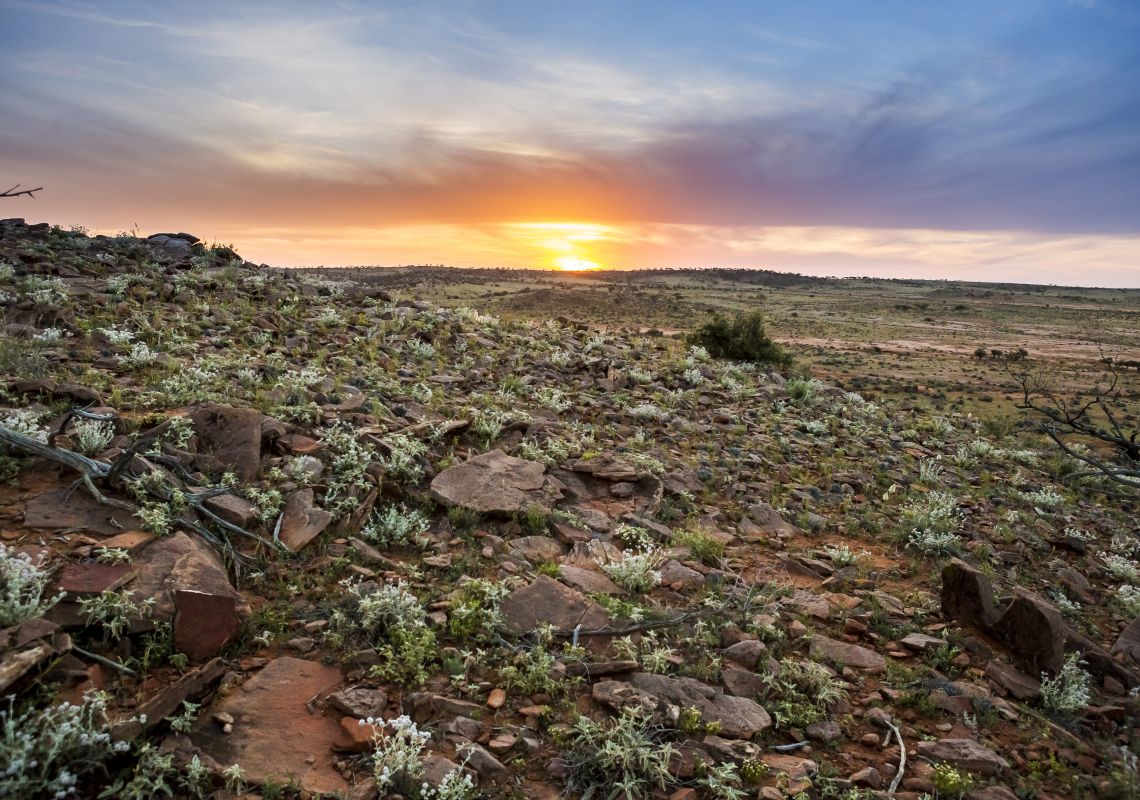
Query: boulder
[1017, 684]
[548, 601]
[1034, 633]
[302, 521]
[739, 717]
[964, 754]
[76, 510]
[204, 622]
[967, 595]
[1127, 645]
[230, 437]
[180, 562]
[537, 549]
[849, 655]
[495, 482]
[587, 580]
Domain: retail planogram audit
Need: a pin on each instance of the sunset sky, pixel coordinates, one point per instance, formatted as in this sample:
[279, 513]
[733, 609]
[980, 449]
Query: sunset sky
[975, 140]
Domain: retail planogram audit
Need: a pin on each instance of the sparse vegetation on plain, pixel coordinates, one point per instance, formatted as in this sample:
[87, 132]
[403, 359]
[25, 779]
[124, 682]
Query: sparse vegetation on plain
[527, 524]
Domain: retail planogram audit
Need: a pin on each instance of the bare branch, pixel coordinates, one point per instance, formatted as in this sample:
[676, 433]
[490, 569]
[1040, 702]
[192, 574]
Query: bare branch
[16, 191]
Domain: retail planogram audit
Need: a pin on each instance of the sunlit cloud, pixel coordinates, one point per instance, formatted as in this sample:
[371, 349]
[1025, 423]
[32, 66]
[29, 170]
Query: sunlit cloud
[930, 138]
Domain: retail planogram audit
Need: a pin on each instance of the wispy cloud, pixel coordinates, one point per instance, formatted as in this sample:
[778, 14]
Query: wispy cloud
[363, 114]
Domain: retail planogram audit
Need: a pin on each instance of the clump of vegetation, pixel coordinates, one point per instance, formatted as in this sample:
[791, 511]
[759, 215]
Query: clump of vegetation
[950, 782]
[626, 758]
[22, 584]
[636, 572]
[703, 547]
[46, 752]
[741, 339]
[1068, 691]
[804, 691]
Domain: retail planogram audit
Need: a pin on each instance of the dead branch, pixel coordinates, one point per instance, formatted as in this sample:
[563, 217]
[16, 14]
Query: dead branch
[1097, 417]
[16, 191]
[92, 470]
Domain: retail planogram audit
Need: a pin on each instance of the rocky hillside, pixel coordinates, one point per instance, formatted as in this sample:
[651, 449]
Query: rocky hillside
[273, 536]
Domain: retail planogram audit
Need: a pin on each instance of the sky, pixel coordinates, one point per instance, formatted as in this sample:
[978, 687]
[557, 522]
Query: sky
[896, 138]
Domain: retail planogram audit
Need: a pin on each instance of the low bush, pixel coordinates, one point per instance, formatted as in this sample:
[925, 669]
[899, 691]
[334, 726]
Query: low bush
[740, 339]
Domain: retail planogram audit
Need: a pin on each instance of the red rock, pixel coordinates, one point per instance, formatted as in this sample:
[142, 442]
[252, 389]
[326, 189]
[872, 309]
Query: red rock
[231, 437]
[496, 698]
[204, 623]
[298, 444]
[128, 540]
[89, 579]
[76, 510]
[276, 737]
[303, 521]
[355, 736]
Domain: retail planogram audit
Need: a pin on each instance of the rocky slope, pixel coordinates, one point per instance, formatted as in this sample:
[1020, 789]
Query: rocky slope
[298, 525]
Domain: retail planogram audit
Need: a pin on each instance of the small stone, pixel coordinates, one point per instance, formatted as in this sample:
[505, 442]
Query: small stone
[496, 699]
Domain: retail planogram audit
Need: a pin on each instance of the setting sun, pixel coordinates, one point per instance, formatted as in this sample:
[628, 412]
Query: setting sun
[571, 264]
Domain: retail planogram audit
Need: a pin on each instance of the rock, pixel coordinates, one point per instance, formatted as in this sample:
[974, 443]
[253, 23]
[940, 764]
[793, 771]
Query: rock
[537, 549]
[678, 577]
[825, 731]
[427, 706]
[920, 642]
[1077, 586]
[496, 699]
[231, 508]
[868, 776]
[964, 754]
[77, 510]
[273, 701]
[231, 436]
[178, 562]
[767, 522]
[495, 482]
[747, 653]
[355, 736]
[995, 792]
[1034, 633]
[481, 761]
[1017, 684]
[547, 600]
[596, 669]
[967, 595]
[302, 520]
[1127, 645]
[94, 578]
[436, 768]
[739, 717]
[850, 655]
[169, 699]
[204, 623]
[587, 580]
[742, 682]
[360, 702]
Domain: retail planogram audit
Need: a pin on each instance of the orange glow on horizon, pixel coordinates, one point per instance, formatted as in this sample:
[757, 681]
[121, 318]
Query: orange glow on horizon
[571, 264]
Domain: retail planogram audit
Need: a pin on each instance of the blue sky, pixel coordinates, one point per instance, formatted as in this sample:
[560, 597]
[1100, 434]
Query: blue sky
[952, 139]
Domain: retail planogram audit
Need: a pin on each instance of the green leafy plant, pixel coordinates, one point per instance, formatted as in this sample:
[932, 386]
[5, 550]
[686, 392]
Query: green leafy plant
[627, 758]
[741, 339]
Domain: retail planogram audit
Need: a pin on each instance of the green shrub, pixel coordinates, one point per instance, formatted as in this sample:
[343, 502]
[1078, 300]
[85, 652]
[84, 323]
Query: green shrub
[740, 339]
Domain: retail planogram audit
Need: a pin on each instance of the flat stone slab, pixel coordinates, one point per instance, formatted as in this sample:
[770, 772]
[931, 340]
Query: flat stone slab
[95, 578]
[848, 655]
[739, 717]
[964, 754]
[275, 737]
[302, 521]
[495, 482]
[61, 509]
[548, 601]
